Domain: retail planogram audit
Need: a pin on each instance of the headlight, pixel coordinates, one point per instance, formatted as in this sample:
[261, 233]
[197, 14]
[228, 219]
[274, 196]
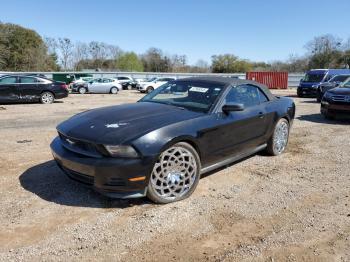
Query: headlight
[314, 86]
[121, 151]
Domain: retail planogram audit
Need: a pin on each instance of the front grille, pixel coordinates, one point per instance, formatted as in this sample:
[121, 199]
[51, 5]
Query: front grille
[341, 98]
[80, 147]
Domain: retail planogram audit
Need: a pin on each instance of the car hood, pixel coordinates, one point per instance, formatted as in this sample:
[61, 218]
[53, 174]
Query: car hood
[119, 124]
[340, 91]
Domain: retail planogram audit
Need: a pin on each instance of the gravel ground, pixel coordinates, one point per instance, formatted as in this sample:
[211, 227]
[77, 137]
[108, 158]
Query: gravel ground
[294, 207]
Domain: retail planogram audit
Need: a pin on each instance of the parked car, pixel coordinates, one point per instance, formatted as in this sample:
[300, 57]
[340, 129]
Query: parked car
[332, 83]
[79, 83]
[127, 82]
[23, 88]
[100, 85]
[309, 84]
[153, 83]
[336, 101]
[161, 145]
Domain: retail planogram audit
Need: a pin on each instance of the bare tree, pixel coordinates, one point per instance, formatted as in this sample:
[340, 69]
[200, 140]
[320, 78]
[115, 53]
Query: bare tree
[81, 52]
[51, 44]
[65, 46]
[202, 64]
[323, 44]
[114, 52]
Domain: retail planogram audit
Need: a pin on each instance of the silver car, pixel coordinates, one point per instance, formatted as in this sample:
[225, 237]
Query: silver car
[102, 86]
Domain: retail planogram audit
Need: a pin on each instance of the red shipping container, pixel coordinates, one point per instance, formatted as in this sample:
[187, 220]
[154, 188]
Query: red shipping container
[274, 80]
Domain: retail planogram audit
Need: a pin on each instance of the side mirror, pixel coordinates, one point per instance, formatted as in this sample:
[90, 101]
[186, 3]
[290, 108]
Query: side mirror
[231, 107]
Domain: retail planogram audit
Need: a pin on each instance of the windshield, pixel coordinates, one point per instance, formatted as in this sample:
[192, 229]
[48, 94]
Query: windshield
[313, 78]
[340, 78]
[192, 95]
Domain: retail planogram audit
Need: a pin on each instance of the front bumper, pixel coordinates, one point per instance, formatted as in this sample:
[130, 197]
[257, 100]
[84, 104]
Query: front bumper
[108, 176]
[331, 108]
[307, 91]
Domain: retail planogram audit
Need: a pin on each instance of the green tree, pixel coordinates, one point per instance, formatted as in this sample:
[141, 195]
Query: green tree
[23, 49]
[129, 61]
[229, 63]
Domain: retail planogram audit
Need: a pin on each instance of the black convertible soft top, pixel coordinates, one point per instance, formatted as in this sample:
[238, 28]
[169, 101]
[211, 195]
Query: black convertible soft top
[233, 82]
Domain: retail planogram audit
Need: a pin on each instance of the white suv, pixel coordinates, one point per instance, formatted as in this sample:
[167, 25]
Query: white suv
[153, 83]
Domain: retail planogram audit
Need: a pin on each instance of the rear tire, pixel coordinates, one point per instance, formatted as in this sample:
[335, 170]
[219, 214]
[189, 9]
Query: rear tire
[279, 139]
[175, 174]
[47, 98]
[82, 90]
[129, 87]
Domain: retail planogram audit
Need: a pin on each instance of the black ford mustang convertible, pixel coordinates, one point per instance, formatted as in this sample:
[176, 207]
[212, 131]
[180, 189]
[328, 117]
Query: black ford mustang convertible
[160, 146]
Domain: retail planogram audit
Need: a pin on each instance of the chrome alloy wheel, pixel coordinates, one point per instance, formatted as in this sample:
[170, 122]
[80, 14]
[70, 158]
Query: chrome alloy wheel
[47, 98]
[174, 173]
[280, 139]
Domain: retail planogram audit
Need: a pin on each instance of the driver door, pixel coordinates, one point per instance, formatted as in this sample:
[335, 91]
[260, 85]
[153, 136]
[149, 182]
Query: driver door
[240, 131]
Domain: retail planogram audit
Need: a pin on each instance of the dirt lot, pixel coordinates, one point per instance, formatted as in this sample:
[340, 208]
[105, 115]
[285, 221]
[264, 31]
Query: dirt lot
[295, 207]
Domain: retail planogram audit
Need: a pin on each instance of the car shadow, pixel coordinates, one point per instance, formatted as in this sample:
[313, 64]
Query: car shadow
[48, 182]
[292, 96]
[319, 118]
[311, 102]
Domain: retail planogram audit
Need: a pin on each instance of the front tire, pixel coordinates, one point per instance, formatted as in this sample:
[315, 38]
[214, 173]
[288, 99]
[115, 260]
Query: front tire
[149, 89]
[175, 174]
[82, 90]
[279, 139]
[319, 96]
[47, 98]
[328, 116]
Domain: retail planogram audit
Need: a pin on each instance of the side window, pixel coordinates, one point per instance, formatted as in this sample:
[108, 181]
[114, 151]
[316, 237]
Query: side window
[262, 96]
[27, 80]
[247, 95]
[346, 83]
[8, 80]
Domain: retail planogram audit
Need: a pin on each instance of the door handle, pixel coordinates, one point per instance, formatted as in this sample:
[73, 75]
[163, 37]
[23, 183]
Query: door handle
[261, 115]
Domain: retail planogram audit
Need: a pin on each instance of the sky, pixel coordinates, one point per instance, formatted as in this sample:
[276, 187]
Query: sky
[265, 30]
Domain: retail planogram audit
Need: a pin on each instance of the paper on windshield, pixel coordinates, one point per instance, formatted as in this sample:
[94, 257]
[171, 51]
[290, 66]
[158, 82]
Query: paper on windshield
[198, 89]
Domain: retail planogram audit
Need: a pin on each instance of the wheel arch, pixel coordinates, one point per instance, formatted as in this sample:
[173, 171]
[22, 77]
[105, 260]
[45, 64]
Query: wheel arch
[50, 91]
[186, 139]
